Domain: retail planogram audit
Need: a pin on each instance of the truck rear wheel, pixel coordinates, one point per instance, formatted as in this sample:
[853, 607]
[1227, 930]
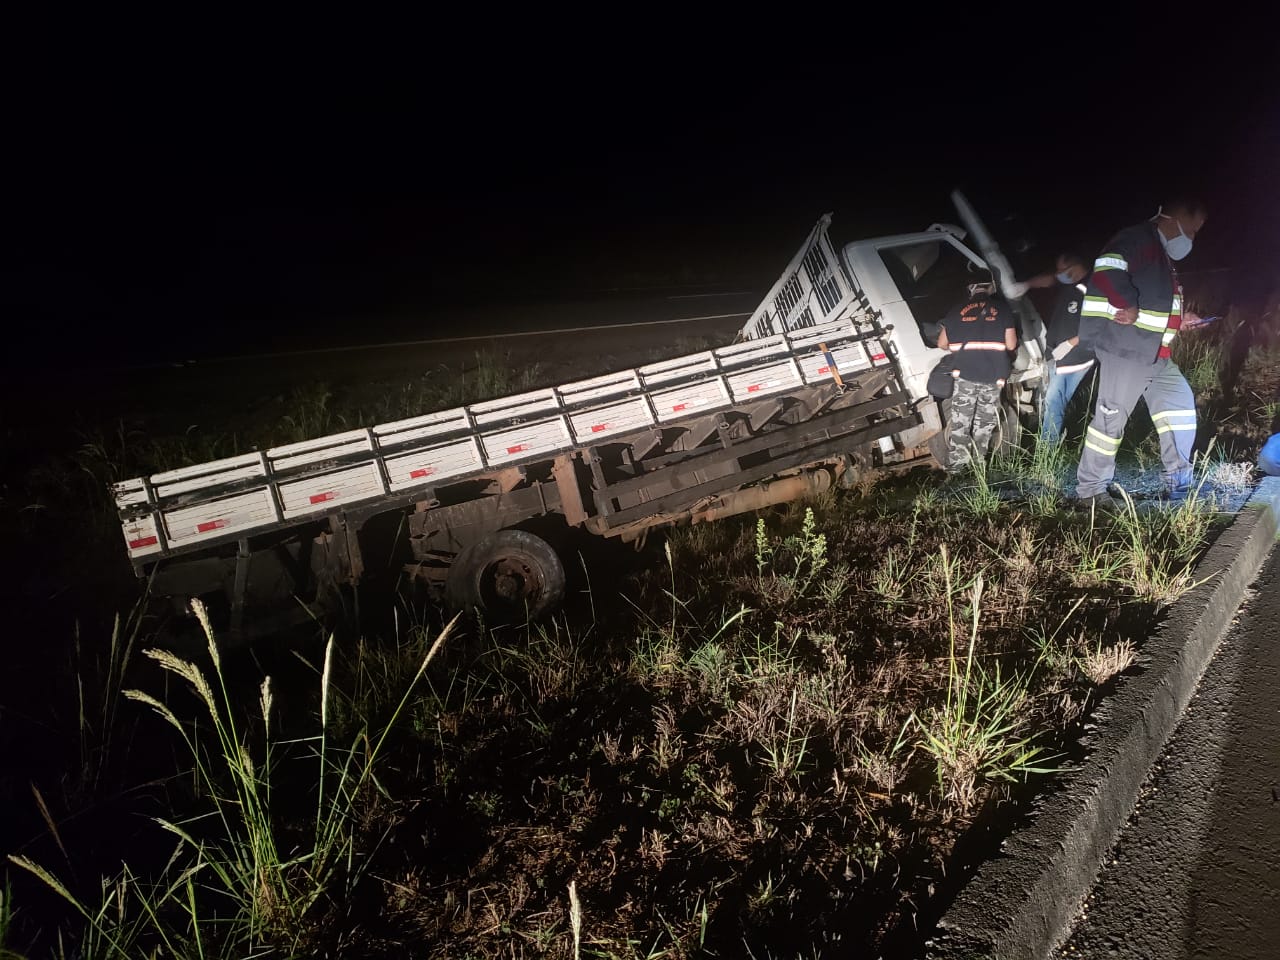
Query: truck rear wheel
[511, 573]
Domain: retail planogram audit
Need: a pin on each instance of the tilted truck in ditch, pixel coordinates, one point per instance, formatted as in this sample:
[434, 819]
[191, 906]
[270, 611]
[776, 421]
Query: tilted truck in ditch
[826, 380]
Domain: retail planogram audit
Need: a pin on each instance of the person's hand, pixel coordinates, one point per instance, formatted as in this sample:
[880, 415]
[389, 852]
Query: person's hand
[1126, 316]
[1191, 320]
[1042, 281]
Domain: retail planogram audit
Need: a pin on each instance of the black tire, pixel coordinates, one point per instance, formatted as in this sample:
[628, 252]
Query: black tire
[1008, 434]
[508, 574]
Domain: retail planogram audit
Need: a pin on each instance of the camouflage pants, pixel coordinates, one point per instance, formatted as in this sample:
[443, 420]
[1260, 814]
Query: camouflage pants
[975, 410]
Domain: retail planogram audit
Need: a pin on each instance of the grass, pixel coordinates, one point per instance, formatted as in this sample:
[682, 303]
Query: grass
[99, 683]
[980, 498]
[1103, 663]
[976, 735]
[232, 886]
[1047, 465]
[834, 689]
[6, 923]
[795, 717]
[747, 718]
[1200, 357]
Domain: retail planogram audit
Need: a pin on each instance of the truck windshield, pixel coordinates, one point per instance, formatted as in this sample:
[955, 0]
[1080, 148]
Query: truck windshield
[932, 278]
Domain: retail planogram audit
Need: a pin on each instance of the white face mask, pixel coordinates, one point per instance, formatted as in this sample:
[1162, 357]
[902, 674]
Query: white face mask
[1179, 246]
[1064, 278]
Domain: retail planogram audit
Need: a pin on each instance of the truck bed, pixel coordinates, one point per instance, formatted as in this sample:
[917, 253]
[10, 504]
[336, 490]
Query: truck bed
[200, 507]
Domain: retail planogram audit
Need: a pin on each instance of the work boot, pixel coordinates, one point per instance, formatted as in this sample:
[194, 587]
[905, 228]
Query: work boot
[1099, 503]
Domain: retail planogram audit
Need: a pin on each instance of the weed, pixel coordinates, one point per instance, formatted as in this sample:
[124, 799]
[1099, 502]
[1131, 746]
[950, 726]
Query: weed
[1200, 357]
[764, 547]
[312, 414]
[6, 923]
[977, 733]
[1103, 663]
[1043, 504]
[835, 584]
[575, 918]
[785, 743]
[925, 502]
[980, 498]
[1147, 452]
[807, 552]
[1152, 573]
[242, 863]
[98, 695]
[888, 581]
[1044, 468]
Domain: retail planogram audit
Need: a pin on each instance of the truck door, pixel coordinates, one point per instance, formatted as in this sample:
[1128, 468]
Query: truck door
[915, 281]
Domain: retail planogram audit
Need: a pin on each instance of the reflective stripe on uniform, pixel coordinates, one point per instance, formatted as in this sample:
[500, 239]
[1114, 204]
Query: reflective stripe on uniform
[1151, 320]
[1073, 368]
[1174, 421]
[985, 345]
[1111, 261]
[1098, 441]
[1098, 307]
[1168, 336]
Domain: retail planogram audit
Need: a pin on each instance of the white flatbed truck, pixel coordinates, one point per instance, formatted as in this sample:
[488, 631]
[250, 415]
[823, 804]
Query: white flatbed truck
[826, 381]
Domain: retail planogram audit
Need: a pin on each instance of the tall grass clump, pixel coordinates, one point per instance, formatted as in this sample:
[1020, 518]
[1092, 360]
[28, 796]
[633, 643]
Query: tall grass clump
[99, 684]
[1157, 548]
[978, 733]
[1200, 357]
[980, 498]
[239, 878]
[1042, 469]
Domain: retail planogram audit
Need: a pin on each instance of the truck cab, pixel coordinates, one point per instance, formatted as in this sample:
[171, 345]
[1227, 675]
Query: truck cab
[909, 282]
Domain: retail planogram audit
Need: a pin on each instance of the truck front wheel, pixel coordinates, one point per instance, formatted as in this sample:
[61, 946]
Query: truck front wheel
[511, 573]
[1008, 434]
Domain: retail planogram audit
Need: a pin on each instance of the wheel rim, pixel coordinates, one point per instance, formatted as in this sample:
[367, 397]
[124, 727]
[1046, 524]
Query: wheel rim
[511, 580]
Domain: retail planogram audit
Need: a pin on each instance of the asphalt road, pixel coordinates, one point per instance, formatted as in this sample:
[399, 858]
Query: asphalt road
[1196, 872]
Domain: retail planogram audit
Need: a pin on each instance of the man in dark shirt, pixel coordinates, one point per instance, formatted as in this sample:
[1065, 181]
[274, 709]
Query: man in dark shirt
[1069, 362]
[981, 334]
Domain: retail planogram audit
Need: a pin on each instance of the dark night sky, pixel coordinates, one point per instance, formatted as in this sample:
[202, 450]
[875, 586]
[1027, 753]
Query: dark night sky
[225, 195]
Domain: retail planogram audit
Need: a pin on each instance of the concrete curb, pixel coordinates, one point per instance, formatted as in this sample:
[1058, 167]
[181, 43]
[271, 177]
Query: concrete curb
[1022, 904]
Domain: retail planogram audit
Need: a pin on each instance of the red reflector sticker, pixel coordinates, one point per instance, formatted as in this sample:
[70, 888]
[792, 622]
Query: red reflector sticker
[143, 542]
[678, 407]
[597, 427]
[754, 387]
[322, 497]
[421, 472]
[516, 449]
[877, 356]
[824, 369]
[211, 525]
